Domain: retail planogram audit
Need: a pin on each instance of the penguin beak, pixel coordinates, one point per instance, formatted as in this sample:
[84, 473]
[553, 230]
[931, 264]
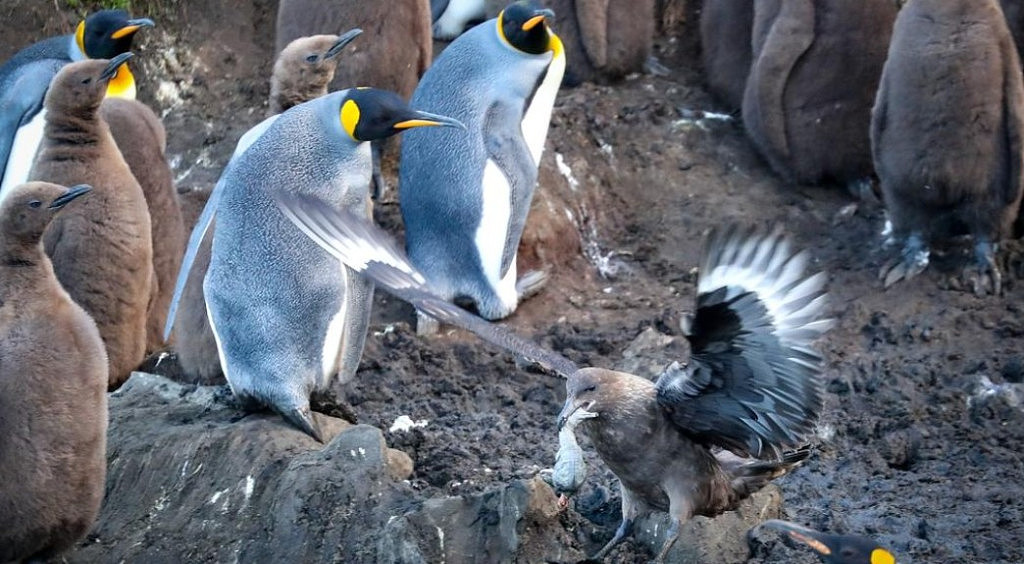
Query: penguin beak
[424, 119]
[72, 193]
[342, 41]
[115, 64]
[810, 537]
[538, 17]
[131, 26]
[574, 410]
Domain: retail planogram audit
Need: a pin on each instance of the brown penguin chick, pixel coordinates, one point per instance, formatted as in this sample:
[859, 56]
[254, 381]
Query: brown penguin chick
[1014, 12]
[304, 69]
[815, 69]
[604, 39]
[141, 138]
[725, 29]
[193, 337]
[102, 250]
[394, 54]
[53, 384]
[753, 384]
[946, 134]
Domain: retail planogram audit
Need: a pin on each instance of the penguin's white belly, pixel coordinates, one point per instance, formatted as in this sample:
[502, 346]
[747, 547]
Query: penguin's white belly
[23, 153]
[537, 117]
[330, 359]
[490, 236]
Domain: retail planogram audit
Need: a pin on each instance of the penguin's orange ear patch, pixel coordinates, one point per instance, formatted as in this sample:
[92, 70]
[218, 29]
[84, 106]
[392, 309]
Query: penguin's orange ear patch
[122, 85]
[882, 556]
[350, 117]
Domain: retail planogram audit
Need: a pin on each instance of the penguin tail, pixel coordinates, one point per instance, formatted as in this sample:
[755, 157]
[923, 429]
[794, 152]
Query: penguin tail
[367, 249]
[302, 418]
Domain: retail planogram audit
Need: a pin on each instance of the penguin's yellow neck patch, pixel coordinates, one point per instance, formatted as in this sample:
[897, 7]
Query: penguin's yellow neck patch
[80, 37]
[350, 117]
[122, 85]
[882, 556]
[555, 44]
[501, 27]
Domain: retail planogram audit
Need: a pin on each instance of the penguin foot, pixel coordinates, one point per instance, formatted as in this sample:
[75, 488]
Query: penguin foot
[426, 325]
[531, 283]
[913, 261]
[983, 277]
[302, 419]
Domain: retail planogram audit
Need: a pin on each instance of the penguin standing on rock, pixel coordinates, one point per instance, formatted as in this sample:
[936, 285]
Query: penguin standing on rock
[25, 78]
[946, 134]
[53, 384]
[815, 69]
[465, 197]
[102, 249]
[301, 73]
[142, 141]
[288, 318]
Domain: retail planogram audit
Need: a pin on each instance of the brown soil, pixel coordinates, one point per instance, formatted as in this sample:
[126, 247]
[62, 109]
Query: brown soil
[914, 449]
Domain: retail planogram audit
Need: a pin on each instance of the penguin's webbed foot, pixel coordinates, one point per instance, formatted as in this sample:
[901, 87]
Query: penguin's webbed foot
[531, 283]
[983, 277]
[912, 261]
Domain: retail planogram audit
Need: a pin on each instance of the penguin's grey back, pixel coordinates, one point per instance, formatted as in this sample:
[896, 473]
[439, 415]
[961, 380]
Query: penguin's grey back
[276, 285]
[442, 168]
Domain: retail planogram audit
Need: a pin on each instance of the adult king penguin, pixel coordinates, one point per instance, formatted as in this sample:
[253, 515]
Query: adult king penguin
[25, 78]
[465, 197]
[289, 319]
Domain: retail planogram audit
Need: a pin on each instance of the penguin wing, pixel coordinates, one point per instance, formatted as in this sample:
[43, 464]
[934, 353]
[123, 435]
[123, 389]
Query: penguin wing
[1013, 102]
[507, 148]
[777, 51]
[879, 116]
[437, 7]
[753, 384]
[368, 250]
[21, 100]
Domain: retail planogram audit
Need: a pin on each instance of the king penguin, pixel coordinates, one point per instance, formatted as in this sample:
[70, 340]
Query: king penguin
[464, 198]
[302, 72]
[25, 78]
[53, 384]
[101, 250]
[289, 320]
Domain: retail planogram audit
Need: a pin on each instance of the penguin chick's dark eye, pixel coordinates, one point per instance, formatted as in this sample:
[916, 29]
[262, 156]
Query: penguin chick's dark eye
[34, 204]
[86, 81]
[311, 58]
[588, 389]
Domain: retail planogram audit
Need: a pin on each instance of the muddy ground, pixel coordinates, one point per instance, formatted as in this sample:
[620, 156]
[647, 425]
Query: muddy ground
[921, 444]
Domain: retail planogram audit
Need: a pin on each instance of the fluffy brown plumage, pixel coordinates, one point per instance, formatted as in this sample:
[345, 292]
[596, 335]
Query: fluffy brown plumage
[725, 29]
[812, 82]
[304, 68]
[946, 133]
[101, 249]
[752, 385]
[141, 138]
[53, 383]
[604, 39]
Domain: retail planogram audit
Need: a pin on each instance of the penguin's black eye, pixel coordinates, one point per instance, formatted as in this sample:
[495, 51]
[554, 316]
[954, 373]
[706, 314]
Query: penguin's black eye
[311, 58]
[34, 204]
[87, 81]
[590, 388]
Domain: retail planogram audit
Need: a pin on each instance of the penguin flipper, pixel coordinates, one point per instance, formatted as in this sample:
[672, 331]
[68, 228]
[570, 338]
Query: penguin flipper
[21, 101]
[302, 418]
[367, 249]
[507, 148]
[194, 242]
[778, 49]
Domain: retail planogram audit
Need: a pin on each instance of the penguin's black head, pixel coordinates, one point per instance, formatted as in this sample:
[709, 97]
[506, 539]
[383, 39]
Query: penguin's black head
[368, 114]
[30, 207]
[79, 87]
[524, 26]
[835, 549]
[108, 33]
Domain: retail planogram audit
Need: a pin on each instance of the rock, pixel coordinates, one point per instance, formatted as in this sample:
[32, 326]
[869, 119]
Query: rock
[650, 352]
[721, 539]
